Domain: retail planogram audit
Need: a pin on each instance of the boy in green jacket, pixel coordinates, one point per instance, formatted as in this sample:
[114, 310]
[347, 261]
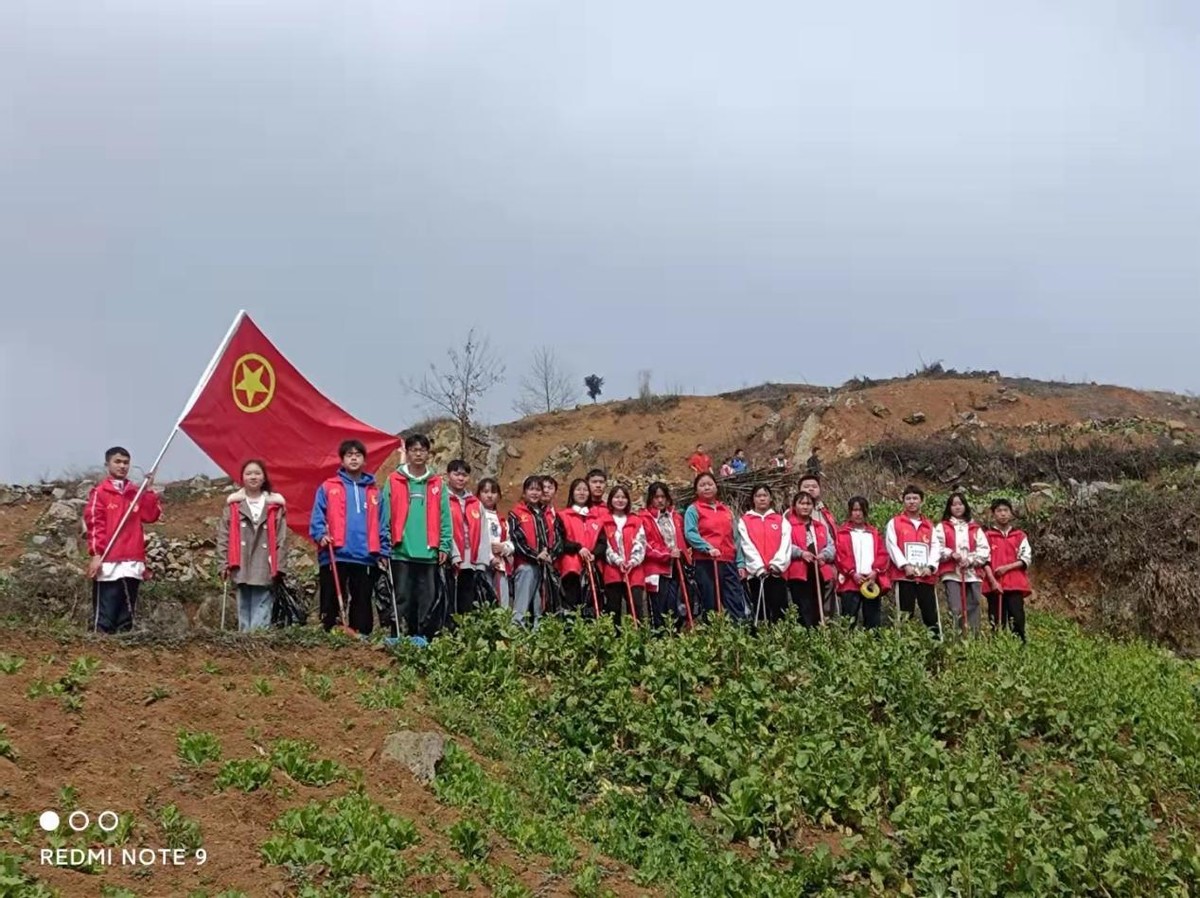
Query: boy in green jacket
[417, 504]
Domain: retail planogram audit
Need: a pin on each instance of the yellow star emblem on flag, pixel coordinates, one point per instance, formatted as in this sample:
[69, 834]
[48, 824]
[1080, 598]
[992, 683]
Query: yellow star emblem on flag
[253, 383]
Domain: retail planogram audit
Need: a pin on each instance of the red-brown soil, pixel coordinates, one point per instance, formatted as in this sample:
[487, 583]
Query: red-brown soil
[119, 752]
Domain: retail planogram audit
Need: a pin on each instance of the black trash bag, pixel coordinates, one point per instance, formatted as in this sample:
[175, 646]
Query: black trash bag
[693, 594]
[590, 600]
[551, 592]
[287, 608]
[439, 612]
[486, 595]
[381, 597]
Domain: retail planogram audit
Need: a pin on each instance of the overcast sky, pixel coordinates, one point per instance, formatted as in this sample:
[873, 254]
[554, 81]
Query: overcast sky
[724, 193]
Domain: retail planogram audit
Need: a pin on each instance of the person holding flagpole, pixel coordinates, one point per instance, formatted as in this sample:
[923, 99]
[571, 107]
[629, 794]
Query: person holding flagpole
[113, 519]
[348, 526]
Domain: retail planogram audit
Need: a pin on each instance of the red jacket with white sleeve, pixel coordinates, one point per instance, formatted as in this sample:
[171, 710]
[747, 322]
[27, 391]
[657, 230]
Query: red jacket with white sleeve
[105, 507]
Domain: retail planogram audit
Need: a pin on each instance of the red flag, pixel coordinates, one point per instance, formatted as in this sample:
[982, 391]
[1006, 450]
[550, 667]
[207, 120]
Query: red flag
[254, 404]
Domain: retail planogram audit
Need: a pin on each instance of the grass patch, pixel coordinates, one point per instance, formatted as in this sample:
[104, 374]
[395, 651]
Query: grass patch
[197, 748]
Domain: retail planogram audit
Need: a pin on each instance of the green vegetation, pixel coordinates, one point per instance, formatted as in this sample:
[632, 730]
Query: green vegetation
[247, 775]
[391, 690]
[179, 831]
[6, 748]
[320, 685]
[263, 686]
[10, 664]
[295, 759]
[18, 884]
[331, 843]
[116, 892]
[832, 762]
[69, 686]
[198, 748]
[156, 694]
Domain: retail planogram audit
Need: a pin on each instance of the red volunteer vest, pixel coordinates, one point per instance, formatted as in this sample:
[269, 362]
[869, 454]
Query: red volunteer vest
[658, 556]
[398, 510]
[335, 513]
[474, 511]
[907, 533]
[233, 552]
[624, 542]
[950, 539]
[1004, 551]
[715, 523]
[846, 564]
[766, 534]
[581, 529]
[798, 569]
[524, 516]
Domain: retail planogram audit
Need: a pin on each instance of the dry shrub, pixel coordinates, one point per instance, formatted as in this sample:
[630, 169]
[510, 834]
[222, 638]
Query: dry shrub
[998, 468]
[1141, 544]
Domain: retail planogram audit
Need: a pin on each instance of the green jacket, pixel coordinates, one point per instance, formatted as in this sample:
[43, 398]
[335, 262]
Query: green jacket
[413, 544]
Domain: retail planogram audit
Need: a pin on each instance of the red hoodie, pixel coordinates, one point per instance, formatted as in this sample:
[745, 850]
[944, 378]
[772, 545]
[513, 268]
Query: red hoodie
[105, 507]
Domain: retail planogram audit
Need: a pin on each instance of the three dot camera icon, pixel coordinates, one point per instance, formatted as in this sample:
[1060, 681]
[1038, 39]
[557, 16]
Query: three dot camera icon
[79, 821]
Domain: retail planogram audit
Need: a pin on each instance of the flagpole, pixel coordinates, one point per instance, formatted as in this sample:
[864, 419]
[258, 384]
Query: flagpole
[203, 382]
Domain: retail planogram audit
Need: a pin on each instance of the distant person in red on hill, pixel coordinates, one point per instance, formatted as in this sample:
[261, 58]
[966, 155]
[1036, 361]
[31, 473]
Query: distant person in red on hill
[118, 574]
[700, 462]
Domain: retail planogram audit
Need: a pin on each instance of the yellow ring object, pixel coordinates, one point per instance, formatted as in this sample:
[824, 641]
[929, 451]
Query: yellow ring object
[869, 590]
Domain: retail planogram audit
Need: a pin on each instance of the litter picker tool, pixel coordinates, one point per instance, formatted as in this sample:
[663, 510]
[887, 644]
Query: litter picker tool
[938, 608]
[595, 595]
[337, 588]
[812, 532]
[758, 609]
[962, 594]
[224, 598]
[687, 602]
[629, 594]
[387, 568]
[717, 583]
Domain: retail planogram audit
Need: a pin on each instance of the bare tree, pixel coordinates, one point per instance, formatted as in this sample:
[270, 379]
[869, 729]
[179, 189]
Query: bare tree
[547, 387]
[456, 389]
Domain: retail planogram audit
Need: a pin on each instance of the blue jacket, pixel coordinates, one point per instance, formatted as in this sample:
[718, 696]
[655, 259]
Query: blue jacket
[355, 550]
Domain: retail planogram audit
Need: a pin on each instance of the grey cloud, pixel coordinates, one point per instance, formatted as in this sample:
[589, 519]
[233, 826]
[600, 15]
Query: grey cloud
[693, 188]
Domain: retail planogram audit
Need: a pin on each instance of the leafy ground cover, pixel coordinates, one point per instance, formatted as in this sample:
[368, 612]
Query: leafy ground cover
[585, 762]
[801, 762]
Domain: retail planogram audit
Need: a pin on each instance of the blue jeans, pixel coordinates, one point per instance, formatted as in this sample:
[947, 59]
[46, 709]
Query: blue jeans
[733, 596]
[254, 607]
